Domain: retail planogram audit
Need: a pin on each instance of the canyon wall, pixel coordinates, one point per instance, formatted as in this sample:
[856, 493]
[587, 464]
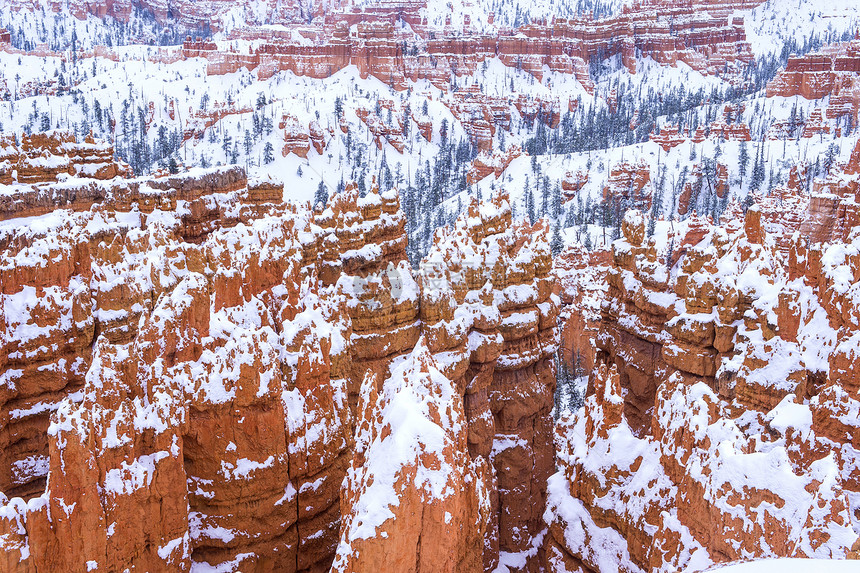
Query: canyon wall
[703, 36]
[198, 374]
[730, 354]
[831, 72]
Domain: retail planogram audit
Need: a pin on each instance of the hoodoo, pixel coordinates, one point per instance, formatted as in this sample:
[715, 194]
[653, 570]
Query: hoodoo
[429, 286]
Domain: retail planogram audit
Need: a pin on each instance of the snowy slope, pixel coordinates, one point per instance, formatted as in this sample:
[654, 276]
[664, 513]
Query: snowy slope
[791, 566]
[776, 22]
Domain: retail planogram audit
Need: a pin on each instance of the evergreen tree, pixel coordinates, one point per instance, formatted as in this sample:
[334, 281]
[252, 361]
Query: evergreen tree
[268, 153]
[321, 195]
[227, 145]
[530, 206]
[557, 243]
[249, 143]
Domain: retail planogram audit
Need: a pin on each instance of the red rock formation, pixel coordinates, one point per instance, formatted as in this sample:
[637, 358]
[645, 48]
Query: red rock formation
[630, 182]
[699, 35]
[830, 72]
[425, 125]
[703, 181]
[191, 439]
[720, 129]
[388, 130]
[501, 272]
[536, 108]
[45, 157]
[480, 115]
[698, 358]
[495, 164]
[316, 136]
[199, 121]
[296, 139]
[573, 182]
[581, 281]
[815, 125]
[364, 253]
[668, 137]
[423, 507]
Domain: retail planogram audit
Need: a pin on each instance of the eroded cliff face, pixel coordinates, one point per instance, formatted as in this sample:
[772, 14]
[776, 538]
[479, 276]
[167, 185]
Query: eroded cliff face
[178, 400]
[198, 374]
[704, 36]
[829, 72]
[723, 372]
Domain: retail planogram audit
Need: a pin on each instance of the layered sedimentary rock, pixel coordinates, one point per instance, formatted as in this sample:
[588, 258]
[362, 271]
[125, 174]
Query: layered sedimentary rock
[573, 182]
[829, 72]
[363, 251]
[45, 157]
[580, 278]
[702, 35]
[707, 181]
[725, 356]
[384, 124]
[495, 164]
[192, 367]
[198, 121]
[497, 274]
[296, 138]
[414, 499]
[180, 402]
[484, 311]
[630, 183]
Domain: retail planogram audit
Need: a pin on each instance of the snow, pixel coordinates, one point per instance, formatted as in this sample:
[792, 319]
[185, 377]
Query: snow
[603, 546]
[405, 410]
[774, 22]
[132, 476]
[788, 565]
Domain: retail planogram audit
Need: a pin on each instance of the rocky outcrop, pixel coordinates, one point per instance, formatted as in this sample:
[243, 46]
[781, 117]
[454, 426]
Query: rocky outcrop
[47, 157]
[580, 277]
[728, 356]
[495, 164]
[497, 274]
[198, 121]
[629, 183]
[703, 35]
[296, 138]
[573, 182]
[389, 130]
[829, 72]
[668, 137]
[414, 499]
[363, 251]
[195, 411]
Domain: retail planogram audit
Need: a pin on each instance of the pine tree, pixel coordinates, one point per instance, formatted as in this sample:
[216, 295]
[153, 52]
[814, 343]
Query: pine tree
[557, 243]
[530, 206]
[268, 153]
[758, 173]
[249, 143]
[321, 195]
[227, 145]
[556, 201]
